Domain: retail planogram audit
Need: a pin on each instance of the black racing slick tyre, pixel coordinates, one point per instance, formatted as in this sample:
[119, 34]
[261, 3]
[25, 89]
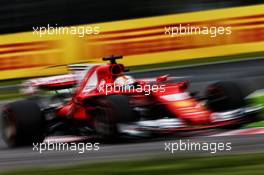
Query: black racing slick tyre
[22, 123]
[224, 95]
[111, 110]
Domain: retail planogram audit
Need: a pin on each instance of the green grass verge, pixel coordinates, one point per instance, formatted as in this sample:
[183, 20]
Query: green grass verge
[252, 164]
[10, 82]
[9, 94]
[6, 94]
[258, 99]
[256, 124]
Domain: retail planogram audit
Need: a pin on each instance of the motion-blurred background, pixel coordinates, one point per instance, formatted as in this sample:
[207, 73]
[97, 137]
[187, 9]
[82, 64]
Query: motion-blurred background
[136, 30]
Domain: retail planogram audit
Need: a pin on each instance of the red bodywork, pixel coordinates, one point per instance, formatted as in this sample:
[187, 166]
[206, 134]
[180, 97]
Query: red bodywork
[175, 97]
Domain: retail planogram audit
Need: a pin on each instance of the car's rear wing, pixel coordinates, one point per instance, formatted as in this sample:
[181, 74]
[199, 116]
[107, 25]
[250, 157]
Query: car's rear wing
[58, 82]
[50, 83]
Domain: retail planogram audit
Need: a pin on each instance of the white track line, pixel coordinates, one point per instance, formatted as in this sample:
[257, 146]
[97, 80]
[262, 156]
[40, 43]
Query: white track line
[258, 130]
[57, 139]
[249, 131]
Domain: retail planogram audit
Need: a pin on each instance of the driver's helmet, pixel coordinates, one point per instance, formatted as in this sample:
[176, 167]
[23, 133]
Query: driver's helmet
[124, 80]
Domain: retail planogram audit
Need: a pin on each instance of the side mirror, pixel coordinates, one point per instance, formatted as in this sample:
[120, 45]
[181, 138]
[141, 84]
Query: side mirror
[162, 78]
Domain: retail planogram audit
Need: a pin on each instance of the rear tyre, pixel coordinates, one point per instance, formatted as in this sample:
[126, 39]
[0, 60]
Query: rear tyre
[112, 110]
[22, 124]
[223, 96]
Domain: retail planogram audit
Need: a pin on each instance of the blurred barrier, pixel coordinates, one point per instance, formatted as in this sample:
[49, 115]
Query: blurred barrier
[141, 41]
[19, 16]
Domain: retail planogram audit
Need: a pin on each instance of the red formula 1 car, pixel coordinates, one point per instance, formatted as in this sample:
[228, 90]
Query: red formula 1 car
[101, 100]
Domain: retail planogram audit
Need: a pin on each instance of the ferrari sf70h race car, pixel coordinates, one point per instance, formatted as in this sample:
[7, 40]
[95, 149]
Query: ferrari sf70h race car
[104, 101]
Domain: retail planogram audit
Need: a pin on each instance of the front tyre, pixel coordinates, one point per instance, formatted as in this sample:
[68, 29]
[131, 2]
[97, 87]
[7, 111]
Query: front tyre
[111, 110]
[224, 95]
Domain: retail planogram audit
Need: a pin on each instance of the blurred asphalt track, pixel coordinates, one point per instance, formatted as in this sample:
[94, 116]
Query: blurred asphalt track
[248, 73]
